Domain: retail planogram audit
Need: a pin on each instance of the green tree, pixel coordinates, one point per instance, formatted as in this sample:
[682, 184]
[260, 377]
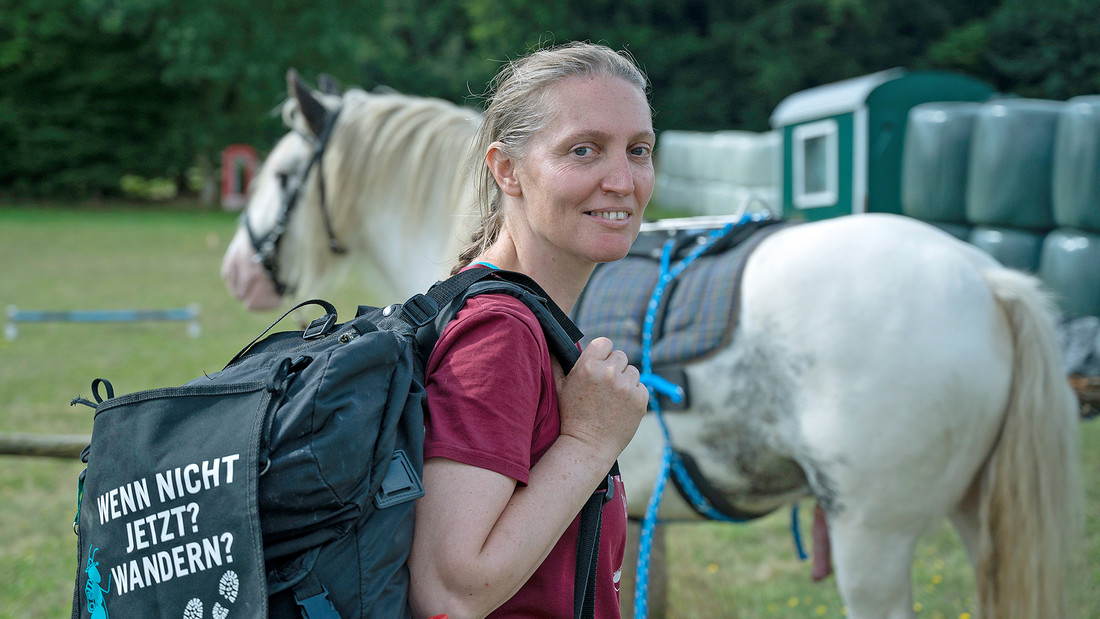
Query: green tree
[1048, 51]
[91, 90]
[234, 56]
[75, 106]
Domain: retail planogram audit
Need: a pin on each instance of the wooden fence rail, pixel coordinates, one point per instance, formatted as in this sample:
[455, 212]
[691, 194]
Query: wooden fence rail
[45, 445]
[70, 445]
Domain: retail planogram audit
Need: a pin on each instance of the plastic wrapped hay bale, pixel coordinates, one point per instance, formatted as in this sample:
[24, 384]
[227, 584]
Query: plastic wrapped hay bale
[1070, 268]
[717, 198]
[746, 158]
[959, 231]
[1076, 176]
[666, 190]
[672, 152]
[1009, 179]
[699, 157]
[1012, 247]
[676, 192]
[935, 160]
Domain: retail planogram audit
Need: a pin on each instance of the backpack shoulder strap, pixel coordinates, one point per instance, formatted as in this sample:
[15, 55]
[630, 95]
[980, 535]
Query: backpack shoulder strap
[429, 313]
[588, 547]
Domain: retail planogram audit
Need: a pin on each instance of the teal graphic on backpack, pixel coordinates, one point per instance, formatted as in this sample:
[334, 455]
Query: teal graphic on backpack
[93, 589]
[283, 485]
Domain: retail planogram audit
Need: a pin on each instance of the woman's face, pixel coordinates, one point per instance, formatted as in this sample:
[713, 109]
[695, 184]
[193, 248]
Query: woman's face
[587, 176]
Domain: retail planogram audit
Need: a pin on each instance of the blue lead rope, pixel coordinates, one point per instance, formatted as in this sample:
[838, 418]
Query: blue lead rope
[797, 534]
[670, 462]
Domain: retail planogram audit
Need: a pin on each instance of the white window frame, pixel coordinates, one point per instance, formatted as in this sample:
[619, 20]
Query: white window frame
[800, 135]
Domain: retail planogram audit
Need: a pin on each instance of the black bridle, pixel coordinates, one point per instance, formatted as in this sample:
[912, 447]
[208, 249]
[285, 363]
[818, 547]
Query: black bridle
[267, 246]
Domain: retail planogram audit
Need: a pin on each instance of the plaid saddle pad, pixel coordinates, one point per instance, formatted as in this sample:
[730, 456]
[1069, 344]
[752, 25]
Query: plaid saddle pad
[698, 311]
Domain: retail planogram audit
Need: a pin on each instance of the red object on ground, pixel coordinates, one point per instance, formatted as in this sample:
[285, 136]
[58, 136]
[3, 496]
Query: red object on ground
[823, 565]
[239, 163]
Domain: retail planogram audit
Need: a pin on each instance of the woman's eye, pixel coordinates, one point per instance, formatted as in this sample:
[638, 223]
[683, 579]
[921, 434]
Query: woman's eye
[581, 151]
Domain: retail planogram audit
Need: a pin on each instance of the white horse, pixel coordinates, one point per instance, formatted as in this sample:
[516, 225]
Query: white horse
[894, 373]
[414, 228]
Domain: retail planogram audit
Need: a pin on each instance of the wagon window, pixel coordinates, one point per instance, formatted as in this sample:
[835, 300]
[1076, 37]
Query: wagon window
[814, 165]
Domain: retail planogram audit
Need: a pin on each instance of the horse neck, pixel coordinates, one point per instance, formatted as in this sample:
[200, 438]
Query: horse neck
[414, 258]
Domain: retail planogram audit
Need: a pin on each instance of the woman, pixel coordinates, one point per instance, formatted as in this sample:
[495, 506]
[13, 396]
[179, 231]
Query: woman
[513, 447]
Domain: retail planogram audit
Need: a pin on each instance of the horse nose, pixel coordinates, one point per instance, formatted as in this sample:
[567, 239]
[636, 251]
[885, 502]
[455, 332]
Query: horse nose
[231, 270]
[245, 279]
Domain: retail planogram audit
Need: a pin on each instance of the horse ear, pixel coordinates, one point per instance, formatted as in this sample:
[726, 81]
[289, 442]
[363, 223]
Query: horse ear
[328, 84]
[312, 109]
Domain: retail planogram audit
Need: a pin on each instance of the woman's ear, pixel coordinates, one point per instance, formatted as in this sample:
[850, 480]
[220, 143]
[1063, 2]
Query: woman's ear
[503, 170]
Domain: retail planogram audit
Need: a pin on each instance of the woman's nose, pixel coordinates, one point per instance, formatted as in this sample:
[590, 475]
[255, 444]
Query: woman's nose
[618, 178]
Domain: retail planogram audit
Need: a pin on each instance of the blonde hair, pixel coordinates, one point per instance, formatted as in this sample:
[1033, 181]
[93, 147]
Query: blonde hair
[517, 110]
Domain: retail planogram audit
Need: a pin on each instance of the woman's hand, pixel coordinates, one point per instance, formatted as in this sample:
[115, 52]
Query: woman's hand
[601, 400]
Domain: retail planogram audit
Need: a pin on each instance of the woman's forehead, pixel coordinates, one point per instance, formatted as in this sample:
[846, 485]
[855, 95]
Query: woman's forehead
[599, 105]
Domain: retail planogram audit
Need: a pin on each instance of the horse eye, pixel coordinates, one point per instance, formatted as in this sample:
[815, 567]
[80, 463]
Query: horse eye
[283, 179]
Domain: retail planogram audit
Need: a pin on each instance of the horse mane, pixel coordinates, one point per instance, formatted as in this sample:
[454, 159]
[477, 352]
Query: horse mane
[391, 157]
[406, 143]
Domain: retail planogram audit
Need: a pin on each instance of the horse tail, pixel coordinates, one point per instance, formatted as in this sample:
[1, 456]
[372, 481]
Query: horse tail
[1032, 504]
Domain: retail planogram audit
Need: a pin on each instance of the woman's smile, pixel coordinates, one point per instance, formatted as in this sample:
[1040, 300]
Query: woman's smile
[610, 215]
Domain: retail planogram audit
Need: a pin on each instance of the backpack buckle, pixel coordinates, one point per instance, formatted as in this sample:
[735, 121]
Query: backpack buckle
[420, 310]
[312, 597]
[319, 327]
[400, 484]
[608, 489]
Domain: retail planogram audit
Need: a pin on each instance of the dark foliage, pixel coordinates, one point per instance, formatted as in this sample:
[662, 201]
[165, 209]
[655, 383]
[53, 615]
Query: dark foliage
[91, 90]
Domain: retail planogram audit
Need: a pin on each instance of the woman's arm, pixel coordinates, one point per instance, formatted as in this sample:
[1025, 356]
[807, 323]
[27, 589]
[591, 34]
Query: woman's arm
[480, 536]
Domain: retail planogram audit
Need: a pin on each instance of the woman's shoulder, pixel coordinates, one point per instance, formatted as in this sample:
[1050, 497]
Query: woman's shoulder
[500, 308]
[492, 324]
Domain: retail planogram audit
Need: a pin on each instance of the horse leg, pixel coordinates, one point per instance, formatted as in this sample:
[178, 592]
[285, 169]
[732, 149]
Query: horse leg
[657, 592]
[873, 568]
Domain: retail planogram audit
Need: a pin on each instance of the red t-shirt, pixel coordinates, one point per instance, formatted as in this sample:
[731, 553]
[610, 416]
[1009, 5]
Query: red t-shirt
[492, 404]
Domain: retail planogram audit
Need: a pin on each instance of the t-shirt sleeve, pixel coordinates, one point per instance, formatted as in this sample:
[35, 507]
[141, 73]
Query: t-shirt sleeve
[484, 380]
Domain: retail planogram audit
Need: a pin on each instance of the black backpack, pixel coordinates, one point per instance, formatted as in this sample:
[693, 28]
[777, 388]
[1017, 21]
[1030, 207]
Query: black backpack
[284, 484]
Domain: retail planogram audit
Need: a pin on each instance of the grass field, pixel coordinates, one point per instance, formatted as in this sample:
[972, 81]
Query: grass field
[155, 258]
